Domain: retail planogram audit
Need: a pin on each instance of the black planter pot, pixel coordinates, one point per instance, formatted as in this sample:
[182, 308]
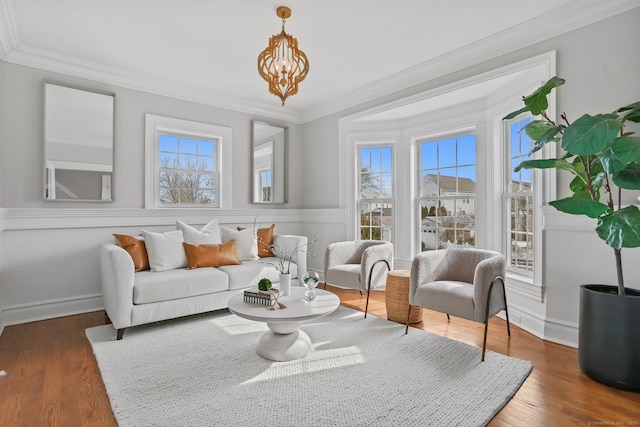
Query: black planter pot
[609, 336]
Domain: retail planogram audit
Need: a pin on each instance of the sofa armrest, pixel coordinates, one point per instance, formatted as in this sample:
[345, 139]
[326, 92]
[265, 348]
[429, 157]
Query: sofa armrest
[290, 243]
[118, 275]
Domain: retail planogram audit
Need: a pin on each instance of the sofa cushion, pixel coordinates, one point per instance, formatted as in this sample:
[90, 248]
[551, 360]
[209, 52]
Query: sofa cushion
[174, 284]
[199, 256]
[346, 275]
[249, 273]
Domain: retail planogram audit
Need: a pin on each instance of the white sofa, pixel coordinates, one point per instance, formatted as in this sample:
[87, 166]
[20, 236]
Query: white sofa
[135, 298]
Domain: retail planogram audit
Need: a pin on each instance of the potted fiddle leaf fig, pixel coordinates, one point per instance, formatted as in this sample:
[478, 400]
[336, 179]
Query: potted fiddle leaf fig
[599, 152]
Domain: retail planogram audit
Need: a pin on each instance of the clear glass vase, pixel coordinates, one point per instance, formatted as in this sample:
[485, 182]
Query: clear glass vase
[310, 280]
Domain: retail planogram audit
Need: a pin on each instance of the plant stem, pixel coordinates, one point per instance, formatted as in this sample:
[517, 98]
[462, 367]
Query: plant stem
[618, 254]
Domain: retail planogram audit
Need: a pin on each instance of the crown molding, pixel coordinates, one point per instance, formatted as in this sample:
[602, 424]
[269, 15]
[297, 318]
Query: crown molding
[30, 56]
[9, 39]
[558, 22]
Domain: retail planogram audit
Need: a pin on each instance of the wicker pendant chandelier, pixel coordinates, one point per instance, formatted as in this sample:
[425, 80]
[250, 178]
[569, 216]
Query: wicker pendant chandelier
[282, 64]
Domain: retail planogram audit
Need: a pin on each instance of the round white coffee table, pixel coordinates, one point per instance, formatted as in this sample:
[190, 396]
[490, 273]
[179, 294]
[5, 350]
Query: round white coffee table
[284, 341]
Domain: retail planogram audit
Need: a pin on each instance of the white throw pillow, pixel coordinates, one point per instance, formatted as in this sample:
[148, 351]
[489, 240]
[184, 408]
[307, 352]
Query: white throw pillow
[165, 250]
[246, 242]
[207, 235]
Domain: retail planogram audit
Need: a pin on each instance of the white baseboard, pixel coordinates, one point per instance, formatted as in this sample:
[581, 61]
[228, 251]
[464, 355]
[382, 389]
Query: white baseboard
[561, 332]
[25, 313]
[1, 323]
[552, 330]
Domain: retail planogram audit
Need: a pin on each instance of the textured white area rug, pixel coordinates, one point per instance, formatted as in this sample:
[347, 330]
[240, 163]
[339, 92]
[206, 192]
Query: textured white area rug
[203, 371]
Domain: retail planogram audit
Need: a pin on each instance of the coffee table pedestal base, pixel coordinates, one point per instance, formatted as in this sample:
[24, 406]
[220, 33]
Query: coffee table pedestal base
[283, 342]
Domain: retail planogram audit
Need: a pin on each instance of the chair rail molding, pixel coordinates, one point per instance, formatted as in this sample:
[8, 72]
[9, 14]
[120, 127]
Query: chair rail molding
[34, 219]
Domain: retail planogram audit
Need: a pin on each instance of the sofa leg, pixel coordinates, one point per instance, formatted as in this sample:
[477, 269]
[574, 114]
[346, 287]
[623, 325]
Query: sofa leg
[120, 333]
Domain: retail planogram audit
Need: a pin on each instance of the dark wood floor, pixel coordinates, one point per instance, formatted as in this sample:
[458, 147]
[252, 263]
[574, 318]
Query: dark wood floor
[52, 378]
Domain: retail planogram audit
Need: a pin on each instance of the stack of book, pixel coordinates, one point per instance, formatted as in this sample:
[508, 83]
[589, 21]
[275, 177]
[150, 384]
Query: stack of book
[255, 296]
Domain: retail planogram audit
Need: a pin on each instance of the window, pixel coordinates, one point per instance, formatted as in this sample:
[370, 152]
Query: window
[375, 201]
[187, 170]
[186, 163]
[447, 192]
[518, 201]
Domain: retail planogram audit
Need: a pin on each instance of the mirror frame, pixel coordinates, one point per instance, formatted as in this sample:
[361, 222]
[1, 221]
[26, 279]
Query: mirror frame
[285, 163]
[45, 170]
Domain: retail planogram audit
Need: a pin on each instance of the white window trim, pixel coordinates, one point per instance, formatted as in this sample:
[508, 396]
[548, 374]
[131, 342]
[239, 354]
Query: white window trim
[155, 125]
[544, 190]
[390, 200]
[349, 161]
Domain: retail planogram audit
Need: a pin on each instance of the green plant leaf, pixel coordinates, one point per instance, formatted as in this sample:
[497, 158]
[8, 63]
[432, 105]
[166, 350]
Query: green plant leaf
[536, 128]
[634, 106]
[620, 229]
[629, 177]
[515, 113]
[633, 116]
[623, 151]
[597, 181]
[634, 112]
[584, 194]
[580, 206]
[537, 164]
[577, 184]
[591, 134]
[548, 136]
[537, 102]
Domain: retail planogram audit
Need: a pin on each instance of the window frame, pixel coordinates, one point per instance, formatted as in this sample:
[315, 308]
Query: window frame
[383, 200]
[507, 195]
[160, 125]
[463, 198]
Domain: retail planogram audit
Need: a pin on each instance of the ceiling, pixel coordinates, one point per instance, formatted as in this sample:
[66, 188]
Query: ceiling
[207, 51]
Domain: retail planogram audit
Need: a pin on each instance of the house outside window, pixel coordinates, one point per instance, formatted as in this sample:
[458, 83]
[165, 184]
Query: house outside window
[447, 192]
[518, 196]
[375, 201]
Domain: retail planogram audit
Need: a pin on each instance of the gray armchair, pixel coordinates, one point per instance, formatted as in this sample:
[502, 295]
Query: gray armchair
[359, 264]
[464, 282]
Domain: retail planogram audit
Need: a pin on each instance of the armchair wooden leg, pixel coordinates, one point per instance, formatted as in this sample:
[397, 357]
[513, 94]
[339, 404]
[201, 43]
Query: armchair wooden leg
[448, 318]
[120, 333]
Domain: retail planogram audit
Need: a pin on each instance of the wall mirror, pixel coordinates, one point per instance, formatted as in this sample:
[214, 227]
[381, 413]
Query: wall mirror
[269, 163]
[78, 144]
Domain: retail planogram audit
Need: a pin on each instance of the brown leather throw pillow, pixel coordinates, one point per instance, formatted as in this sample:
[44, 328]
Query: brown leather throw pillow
[136, 248]
[265, 240]
[199, 256]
